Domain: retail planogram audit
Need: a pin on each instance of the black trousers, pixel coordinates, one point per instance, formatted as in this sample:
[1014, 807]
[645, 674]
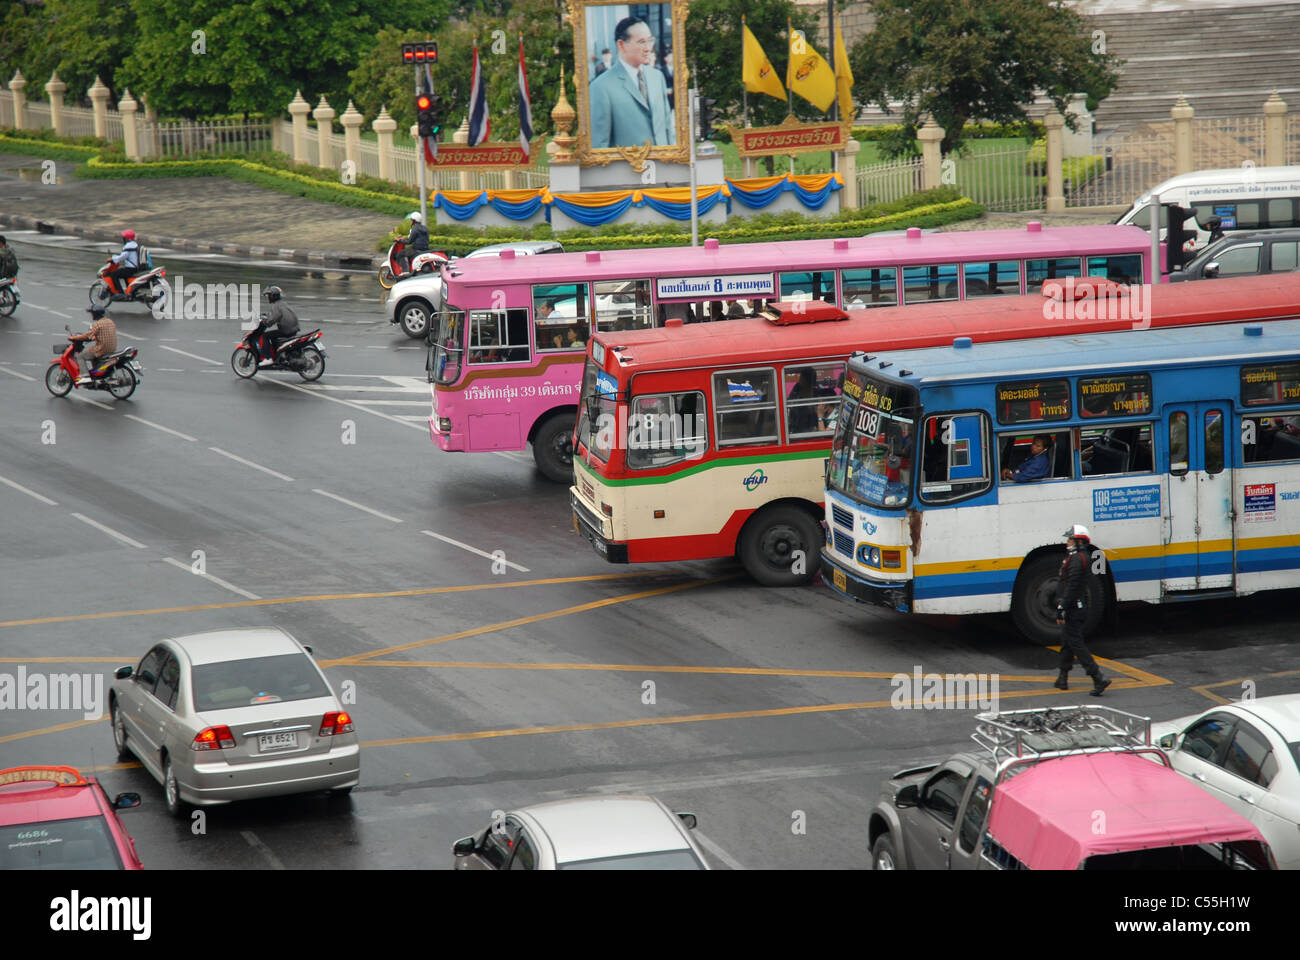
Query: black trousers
[122, 276]
[1072, 643]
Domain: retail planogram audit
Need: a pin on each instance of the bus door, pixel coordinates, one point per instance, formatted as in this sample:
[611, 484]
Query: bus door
[1200, 545]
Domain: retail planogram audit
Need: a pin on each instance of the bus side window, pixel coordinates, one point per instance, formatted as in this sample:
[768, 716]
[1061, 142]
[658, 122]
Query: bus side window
[744, 402]
[1271, 438]
[954, 457]
[1178, 443]
[1213, 441]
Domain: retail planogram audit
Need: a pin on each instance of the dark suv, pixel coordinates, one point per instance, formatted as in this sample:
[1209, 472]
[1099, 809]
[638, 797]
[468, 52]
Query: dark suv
[1244, 254]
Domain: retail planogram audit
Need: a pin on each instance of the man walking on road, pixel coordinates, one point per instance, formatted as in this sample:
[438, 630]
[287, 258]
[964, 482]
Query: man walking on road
[1072, 610]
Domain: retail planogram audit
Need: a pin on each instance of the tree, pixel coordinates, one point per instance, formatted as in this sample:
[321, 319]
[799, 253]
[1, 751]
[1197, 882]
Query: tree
[81, 39]
[961, 60]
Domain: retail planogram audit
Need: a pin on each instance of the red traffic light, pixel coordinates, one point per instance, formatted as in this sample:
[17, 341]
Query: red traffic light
[422, 102]
[426, 52]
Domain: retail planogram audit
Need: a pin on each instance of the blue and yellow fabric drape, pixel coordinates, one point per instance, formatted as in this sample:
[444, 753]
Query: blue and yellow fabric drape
[594, 209]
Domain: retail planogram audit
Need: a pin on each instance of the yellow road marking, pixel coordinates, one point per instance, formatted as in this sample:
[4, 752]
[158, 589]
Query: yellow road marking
[274, 601]
[57, 728]
[1205, 688]
[1127, 670]
[522, 621]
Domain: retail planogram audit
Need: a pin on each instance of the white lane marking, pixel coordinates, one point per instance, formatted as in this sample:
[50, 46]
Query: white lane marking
[193, 356]
[168, 369]
[207, 341]
[30, 493]
[29, 363]
[398, 403]
[111, 532]
[15, 373]
[38, 307]
[129, 337]
[207, 576]
[249, 836]
[65, 316]
[166, 339]
[353, 503]
[481, 553]
[341, 346]
[338, 298]
[157, 426]
[717, 851]
[250, 463]
[359, 388]
[422, 418]
[346, 403]
[410, 348]
[377, 346]
[94, 403]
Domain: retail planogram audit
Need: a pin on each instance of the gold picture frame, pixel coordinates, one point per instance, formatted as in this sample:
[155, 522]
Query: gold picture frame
[635, 154]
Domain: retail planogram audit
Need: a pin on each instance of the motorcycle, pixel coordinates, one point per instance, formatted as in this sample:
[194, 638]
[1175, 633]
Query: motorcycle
[302, 354]
[118, 373]
[147, 287]
[394, 270]
[9, 296]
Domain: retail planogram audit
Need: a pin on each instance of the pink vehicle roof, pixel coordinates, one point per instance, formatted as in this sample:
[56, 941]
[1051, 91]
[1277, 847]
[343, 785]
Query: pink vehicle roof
[715, 259]
[1046, 816]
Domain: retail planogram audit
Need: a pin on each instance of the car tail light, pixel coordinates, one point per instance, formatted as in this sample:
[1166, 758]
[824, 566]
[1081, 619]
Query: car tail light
[213, 738]
[336, 722]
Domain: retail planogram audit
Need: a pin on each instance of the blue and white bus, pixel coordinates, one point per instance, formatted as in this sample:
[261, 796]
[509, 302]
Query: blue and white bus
[955, 470]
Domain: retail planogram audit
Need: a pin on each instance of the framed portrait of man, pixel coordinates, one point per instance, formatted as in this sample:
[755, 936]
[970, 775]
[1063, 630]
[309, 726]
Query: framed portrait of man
[630, 73]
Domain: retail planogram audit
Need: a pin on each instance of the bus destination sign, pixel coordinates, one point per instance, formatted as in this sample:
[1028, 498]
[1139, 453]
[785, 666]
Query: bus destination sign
[732, 287]
[1028, 401]
[1275, 383]
[1122, 396]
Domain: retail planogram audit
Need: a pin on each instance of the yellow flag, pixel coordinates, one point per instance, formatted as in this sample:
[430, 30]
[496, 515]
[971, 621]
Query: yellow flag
[757, 71]
[843, 76]
[808, 74]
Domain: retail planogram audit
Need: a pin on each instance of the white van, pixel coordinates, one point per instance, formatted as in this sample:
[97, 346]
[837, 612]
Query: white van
[1243, 198]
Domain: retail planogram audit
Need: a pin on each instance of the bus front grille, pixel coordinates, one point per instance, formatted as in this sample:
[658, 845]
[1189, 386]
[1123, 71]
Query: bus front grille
[844, 543]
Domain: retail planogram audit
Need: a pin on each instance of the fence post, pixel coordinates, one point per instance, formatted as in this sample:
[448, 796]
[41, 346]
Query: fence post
[462, 136]
[98, 94]
[849, 170]
[1055, 202]
[299, 108]
[55, 89]
[16, 85]
[324, 115]
[1182, 114]
[1275, 131]
[352, 121]
[930, 135]
[384, 127]
[130, 132]
[149, 146]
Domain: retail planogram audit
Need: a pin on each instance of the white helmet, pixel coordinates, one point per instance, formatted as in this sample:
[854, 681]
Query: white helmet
[1078, 531]
[415, 217]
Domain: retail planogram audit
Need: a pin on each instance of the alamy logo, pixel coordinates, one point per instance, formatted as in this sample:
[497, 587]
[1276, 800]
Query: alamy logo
[207, 301]
[75, 913]
[53, 691]
[754, 480]
[944, 691]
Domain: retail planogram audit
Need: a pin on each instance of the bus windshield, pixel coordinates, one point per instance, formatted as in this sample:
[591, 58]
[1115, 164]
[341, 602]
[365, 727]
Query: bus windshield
[597, 410]
[874, 443]
[448, 348]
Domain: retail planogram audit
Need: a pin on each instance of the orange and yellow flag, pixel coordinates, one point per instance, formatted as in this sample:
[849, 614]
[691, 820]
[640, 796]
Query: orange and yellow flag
[808, 74]
[756, 70]
[843, 76]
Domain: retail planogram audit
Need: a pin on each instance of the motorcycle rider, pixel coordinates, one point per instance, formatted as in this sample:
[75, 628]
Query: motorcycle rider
[103, 331]
[8, 262]
[417, 241]
[128, 261]
[281, 322]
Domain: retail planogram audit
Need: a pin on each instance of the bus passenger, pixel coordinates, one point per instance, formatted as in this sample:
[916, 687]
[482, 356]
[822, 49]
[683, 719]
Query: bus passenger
[715, 310]
[1038, 466]
[571, 340]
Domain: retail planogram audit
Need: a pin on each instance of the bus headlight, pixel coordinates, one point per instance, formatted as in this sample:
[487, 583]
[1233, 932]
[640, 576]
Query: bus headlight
[868, 555]
[444, 424]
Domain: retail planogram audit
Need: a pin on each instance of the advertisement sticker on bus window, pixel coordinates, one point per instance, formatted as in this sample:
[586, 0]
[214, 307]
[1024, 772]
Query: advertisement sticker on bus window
[606, 386]
[1275, 383]
[744, 392]
[870, 486]
[1029, 401]
[1126, 503]
[1259, 502]
[1227, 214]
[1123, 396]
[737, 285]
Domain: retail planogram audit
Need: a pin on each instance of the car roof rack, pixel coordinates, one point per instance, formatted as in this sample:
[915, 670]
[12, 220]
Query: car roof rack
[1024, 736]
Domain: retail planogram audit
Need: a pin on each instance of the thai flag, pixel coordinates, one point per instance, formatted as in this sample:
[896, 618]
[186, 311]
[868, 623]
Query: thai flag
[742, 392]
[525, 107]
[430, 143]
[480, 127]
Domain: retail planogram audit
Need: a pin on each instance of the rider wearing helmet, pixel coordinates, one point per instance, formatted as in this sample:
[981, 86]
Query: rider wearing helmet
[128, 261]
[1072, 609]
[104, 334]
[417, 241]
[281, 321]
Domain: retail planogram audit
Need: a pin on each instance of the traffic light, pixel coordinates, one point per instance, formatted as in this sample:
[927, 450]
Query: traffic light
[706, 115]
[427, 108]
[1178, 236]
[417, 53]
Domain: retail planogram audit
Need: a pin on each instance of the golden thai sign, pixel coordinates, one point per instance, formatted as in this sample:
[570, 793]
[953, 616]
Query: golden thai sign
[497, 156]
[790, 137]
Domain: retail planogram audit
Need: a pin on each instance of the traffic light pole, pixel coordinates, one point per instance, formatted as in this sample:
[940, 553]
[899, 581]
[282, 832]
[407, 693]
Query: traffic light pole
[690, 126]
[419, 161]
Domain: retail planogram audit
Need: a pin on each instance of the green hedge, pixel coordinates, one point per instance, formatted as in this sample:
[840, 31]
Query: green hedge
[971, 131]
[1077, 171]
[31, 143]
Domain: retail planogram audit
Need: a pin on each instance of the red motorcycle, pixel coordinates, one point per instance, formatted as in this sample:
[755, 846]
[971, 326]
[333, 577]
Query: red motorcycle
[394, 269]
[9, 296]
[146, 287]
[118, 373]
[303, 354]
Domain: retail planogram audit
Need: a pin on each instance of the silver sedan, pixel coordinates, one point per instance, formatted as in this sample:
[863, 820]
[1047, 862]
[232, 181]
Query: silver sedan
[233, 715]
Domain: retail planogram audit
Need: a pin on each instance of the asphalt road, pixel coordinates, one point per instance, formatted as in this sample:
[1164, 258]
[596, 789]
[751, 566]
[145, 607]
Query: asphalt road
[765, 712]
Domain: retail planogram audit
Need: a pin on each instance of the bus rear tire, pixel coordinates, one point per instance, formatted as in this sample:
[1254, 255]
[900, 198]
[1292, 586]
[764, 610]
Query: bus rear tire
[770, 540]
[1033, 601]
[553, 448]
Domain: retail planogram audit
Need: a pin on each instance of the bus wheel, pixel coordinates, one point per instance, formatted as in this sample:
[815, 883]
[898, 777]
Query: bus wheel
[780, 547]
[553, 448]
[1033, 602]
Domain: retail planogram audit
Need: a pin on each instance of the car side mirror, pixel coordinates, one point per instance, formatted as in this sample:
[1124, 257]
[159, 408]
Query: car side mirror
[125, 801]
[464, 846]
[689, 819]
[1211, 269]
[908, 796]
[123, 673]
[1168, 740]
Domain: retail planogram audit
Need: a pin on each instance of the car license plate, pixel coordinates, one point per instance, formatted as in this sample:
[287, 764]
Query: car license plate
[576, 528]
[841, 581]
[276, 741]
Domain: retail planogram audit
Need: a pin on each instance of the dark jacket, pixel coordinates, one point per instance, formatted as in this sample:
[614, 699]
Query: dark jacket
[8, 262]
[281, 320]
[418, 239]
[1073, 585]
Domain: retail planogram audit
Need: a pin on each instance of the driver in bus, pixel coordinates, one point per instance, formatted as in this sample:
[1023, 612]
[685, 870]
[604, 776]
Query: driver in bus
[1038, 466]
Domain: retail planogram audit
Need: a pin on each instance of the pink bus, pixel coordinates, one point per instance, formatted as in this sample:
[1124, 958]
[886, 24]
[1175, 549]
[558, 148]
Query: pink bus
[507, 355]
